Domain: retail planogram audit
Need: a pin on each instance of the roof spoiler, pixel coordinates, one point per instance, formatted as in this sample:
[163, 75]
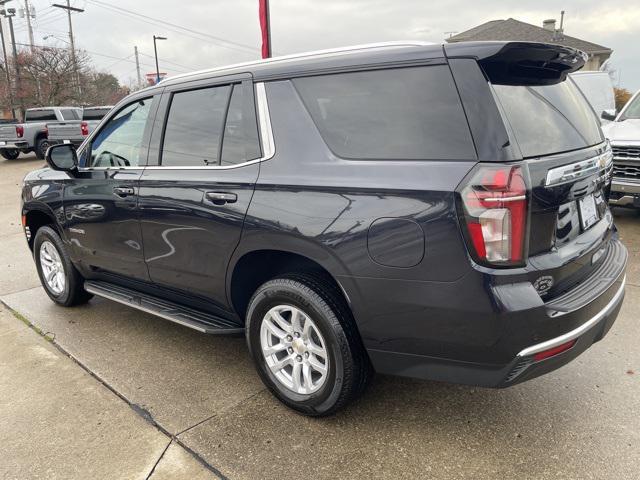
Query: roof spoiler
[520, 63]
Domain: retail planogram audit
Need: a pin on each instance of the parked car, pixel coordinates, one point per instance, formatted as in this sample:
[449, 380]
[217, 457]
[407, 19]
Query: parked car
[76, 131]
[598, 89]
[382, 208]
[31, 136]
[624, 134]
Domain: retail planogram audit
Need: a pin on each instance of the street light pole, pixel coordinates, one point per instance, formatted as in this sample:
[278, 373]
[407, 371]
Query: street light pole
[155, 51]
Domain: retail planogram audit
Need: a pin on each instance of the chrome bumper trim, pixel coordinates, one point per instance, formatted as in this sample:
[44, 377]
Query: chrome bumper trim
[554, 342]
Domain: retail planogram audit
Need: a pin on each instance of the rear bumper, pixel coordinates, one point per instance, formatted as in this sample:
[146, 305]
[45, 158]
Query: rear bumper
[14, 144]
[625, 193]
[582, 315]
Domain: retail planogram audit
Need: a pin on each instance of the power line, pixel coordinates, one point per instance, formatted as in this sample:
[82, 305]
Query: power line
[164, 60]
[182, 30]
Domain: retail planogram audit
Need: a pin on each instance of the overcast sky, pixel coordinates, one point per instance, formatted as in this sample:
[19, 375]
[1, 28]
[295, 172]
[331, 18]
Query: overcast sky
[109, 34]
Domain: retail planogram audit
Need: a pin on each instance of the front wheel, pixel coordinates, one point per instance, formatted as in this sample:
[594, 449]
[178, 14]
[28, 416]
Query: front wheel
[60, 279]
[10, 154]
[305, 344]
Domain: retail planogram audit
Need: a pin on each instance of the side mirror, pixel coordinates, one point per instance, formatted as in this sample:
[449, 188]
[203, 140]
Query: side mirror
[62, 157]
[608, 115]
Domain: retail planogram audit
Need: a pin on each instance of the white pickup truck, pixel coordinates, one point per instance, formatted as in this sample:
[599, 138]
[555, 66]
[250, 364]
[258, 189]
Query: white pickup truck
[624, 134]
[31, 136]
[76, 131]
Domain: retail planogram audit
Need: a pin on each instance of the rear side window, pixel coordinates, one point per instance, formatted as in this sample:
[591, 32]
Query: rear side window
[94, 113]
[194, 127]
[40, 116]
[211, 126]
[404, 113]
[69, 114]
[550, 118]
[240, 142]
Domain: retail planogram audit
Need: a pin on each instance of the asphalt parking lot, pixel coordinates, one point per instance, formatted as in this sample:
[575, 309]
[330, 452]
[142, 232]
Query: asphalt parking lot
[143, 398]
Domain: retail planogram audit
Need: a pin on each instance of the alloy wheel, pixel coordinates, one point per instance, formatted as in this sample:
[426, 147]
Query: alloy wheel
[294, 349]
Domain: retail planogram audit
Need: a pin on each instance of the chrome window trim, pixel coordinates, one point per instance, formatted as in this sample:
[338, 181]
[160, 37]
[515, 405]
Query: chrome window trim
[266, 141]
[573, 334]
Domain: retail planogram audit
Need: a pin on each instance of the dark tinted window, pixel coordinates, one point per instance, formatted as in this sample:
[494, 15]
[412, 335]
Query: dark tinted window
[405, 113]
[69, 114]
[40, 116]
[194, 127]
[240, 142]
[119, 142]
[94, 113]
[549, 119]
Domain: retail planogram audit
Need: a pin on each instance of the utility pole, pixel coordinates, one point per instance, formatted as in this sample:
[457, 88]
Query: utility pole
[10, 13]
[135, 52]
[69, 9]
[6, 70]
[27, 11]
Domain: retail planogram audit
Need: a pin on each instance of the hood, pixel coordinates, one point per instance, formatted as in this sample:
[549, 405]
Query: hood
[626, 130]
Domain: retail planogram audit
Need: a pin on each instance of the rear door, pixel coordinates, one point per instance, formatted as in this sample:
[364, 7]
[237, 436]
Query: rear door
[194, 199]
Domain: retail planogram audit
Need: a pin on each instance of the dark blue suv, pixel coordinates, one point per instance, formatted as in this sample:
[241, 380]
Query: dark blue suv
[423, 210]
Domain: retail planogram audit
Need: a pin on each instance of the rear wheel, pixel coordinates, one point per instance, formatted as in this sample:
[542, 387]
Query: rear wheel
[305, 344]
[60, 279]
[42, 144]
[10, 154]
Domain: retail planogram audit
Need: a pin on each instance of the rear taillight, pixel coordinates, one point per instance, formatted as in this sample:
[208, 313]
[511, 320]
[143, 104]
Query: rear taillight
[84, 128]
[19, 131]
[494, 204]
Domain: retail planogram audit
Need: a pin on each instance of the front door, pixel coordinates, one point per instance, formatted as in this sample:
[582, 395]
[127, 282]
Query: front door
[101, 203]
[193, 202]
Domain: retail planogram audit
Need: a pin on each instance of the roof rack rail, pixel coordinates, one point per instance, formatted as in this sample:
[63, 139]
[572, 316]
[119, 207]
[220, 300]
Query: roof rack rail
[297, 56]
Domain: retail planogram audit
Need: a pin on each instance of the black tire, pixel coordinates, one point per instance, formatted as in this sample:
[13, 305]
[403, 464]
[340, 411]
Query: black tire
[73, 292]
[349, 369]
[10, 153]
[42, 144]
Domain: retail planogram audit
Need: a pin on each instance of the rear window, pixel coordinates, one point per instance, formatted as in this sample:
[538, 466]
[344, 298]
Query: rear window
[549, 119]
[404, 113]
[94, 113]
[40, 116]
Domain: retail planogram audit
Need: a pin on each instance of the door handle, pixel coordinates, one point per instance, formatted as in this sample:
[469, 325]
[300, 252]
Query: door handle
[123, 191]
[220, 198]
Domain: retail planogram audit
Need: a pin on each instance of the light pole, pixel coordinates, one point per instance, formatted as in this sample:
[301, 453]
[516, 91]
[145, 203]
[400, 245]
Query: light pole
[155, 51]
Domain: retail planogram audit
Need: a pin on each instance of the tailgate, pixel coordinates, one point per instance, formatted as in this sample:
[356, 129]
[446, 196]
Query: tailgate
[8, 132]
[64, 131]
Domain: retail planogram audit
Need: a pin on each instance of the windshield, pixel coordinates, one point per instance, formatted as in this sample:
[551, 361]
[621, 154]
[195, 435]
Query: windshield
[633, 109]
[549, 119]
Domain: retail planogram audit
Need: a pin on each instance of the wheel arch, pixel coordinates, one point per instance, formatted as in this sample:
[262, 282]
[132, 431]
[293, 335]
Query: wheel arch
[254, 267]
[37, 217]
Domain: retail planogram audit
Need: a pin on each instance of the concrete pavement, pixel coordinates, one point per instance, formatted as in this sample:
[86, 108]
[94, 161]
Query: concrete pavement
[201, 394]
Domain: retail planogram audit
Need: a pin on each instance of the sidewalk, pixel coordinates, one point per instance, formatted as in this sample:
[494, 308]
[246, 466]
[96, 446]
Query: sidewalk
[58, 421]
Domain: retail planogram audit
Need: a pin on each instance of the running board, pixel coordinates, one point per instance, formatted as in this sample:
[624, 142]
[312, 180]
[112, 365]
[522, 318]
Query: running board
[195, 319]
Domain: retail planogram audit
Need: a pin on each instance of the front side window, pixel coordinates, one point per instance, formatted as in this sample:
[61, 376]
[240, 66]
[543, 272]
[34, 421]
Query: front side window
[119, 142]
[394, 114]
